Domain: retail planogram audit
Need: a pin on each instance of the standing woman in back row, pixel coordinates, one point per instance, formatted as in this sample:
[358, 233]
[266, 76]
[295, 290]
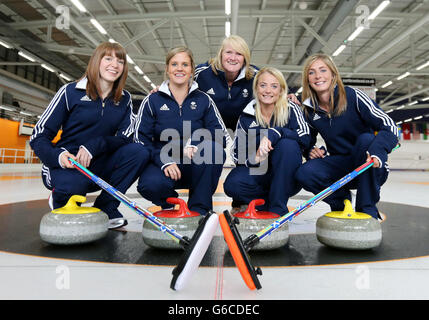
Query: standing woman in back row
[96, 119]
[354, 128]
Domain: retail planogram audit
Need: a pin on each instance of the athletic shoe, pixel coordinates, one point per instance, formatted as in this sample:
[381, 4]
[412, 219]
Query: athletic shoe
[116, 223]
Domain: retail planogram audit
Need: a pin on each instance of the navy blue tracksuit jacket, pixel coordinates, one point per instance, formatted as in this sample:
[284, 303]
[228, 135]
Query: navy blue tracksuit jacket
[162, 125]
[230, 101]
[103, 128]
[276, 183]
[363, 128]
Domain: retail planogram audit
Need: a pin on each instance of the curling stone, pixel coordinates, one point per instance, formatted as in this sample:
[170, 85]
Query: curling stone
[348, 229]
[73, 224]
[252, 221]
[184, 221]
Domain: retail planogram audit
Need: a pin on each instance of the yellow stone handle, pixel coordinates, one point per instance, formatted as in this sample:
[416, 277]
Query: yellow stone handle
[73, 208]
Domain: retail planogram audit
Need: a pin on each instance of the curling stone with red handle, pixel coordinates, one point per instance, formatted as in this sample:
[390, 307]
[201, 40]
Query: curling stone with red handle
[184, 221]
[252, 221]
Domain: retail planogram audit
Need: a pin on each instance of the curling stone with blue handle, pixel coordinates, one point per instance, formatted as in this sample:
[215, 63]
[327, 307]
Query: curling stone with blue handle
[73, 224]
[252, 221]
[348, 229]
[184, 221]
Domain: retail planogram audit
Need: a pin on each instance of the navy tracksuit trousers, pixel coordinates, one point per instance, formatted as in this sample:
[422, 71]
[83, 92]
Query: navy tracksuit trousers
[121, 170]
[317, 174]
[276, 186]
[201, 179]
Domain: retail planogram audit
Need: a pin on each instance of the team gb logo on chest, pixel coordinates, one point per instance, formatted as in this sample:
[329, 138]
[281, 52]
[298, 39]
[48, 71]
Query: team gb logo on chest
[193, 105]
[245, 93]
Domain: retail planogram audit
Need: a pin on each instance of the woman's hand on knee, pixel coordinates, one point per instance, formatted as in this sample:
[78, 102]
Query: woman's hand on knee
[172, 171]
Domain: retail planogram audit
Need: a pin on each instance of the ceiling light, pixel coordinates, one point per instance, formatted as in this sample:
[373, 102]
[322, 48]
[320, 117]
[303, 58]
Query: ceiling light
[402, 76]
[5, 44]
[425, 99]
[413, 103]
[78, 5]
[26, 56]
[228, 7]
[377, 10]
[152, 85]
[25, 113]
[146, 78]
[47, 67]
[227, 28]
[408, 120]
[138, 69]
[130, 60]
[65, 77]
[99, 27]
[339, 50]
[355, 33]
[401, 107]
[417, 118]
[424, 65]
[387, 84]
[7, 108]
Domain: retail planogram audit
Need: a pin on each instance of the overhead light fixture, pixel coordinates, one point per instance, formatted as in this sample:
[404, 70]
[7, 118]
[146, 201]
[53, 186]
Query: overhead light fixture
[79, 5]
[377, 10]
[401, 107]
[7, 108]
[5, 44]
[152, 85]
[130, 60]
[25, 113]
[418, 118]
[227, 7]
[339, 50]
[355, 33]
[26, 56]
[425, 99]
[99, 27]
[402, 76]
[413, 103]
[227, 28]
[408, 120]
[140, 71]
[389, 111]
[112, 40]
[65, 77]
[146, 78]
[387, 84]
[424, 65]
[44, 66]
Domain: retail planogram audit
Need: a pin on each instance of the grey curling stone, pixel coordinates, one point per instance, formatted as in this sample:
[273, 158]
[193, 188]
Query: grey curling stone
[182, 220]
[348, 229]
[73, 224]
[252, 221]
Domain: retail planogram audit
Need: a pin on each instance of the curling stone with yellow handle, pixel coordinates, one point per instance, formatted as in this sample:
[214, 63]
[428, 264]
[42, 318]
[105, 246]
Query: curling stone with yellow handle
[252, 221]
[73, 224]
[348, 229]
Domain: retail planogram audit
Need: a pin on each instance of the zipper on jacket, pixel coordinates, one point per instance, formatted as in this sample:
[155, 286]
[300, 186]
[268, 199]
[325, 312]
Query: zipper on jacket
[102, 107]
[229, 93]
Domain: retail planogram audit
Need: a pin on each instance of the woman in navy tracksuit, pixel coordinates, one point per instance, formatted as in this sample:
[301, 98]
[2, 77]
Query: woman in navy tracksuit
[186, 134]
[96, 119]
[276, 127]
[228, 79]
[354, 128]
